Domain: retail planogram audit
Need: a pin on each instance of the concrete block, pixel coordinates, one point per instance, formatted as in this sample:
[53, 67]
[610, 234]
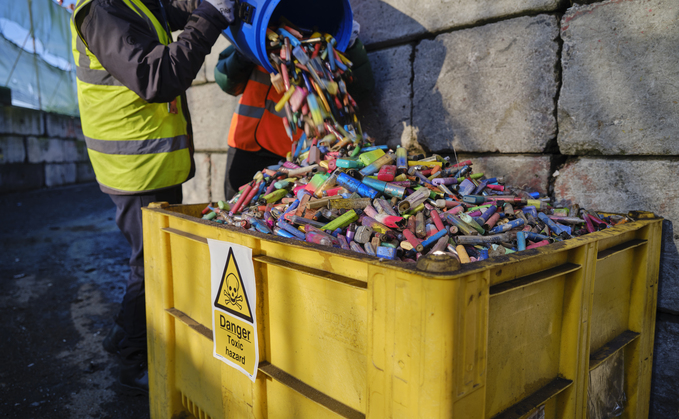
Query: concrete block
[626, 184]
[71, 152]
[620, 66]
[62, 126]
[60, 174]
[488, 89]
[84, 172]
[40, 149]
[211, 112]
[388, 110]
[12, 149]
[531, 173]
[390, 21]
[21, 177]
[81, 152]
[217, 174]
[51, 150]
[665, 380]
[197, 190]
[211, 60]
[21, 121]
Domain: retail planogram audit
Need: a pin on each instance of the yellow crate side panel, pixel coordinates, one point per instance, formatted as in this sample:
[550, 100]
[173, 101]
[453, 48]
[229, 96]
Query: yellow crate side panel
[611, 298]
[406, 329]
[551, 409]
[639, 354]
[574, 359]
[637, 370]
[322, 259]
[524, 342]
[191, 272]
[519, 266]
[400, 361]
[318, 331]
[242, 398]
[470, 337]
[163, 399]
[435, 347]
[524, 263]
[428, 358]
[613, 238]
[285, 403]
[194, 353]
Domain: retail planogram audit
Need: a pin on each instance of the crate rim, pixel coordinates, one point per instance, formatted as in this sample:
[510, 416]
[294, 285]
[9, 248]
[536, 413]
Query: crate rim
[410, 268]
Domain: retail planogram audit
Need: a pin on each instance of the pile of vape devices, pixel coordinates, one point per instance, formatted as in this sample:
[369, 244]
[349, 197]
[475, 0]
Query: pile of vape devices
[338, 189]
[396, 206]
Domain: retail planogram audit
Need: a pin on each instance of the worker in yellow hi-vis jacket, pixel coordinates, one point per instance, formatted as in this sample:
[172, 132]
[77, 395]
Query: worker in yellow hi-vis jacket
[131, 80]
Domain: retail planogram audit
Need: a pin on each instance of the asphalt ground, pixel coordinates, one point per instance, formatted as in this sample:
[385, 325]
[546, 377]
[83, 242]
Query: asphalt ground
[63, 269]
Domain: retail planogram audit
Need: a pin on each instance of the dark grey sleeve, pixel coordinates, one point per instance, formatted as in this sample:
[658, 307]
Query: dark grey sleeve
[178, 12]
[129, 50]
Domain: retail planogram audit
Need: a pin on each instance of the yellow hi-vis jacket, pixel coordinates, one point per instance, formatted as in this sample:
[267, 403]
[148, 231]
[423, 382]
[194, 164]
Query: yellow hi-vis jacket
[134, 146]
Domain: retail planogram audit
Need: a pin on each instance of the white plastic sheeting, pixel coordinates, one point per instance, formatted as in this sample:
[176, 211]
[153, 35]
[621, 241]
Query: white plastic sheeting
[39, 70]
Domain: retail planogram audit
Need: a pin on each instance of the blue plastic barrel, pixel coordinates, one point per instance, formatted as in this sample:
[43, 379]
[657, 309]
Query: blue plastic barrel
[249, 35]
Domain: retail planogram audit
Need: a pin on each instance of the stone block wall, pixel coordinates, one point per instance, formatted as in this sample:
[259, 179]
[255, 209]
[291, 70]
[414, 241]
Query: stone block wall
[211, 112]
[39, 149]
[578, 101]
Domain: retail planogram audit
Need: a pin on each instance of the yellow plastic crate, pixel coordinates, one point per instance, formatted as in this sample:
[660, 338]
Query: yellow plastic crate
[347, 336]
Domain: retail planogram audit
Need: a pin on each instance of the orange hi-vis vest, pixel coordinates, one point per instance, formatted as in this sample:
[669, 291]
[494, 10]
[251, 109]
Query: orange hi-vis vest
[256, 124]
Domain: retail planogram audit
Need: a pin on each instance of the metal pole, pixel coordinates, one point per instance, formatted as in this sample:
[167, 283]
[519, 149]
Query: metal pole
[35, 52]
[21, 50]
[56, 88]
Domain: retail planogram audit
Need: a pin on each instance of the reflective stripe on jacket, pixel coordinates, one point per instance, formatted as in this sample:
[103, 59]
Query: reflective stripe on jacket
[134, 146]
[256, 124]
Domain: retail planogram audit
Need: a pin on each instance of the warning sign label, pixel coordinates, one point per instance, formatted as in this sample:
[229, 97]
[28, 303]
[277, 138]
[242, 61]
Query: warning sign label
[232, 296]
[234, 323]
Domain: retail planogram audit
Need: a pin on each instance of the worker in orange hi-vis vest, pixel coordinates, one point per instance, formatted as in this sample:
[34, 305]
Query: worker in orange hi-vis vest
[257, 137]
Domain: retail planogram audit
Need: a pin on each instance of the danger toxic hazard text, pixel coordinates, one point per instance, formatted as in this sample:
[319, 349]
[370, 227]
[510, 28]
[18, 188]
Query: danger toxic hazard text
[240, 332]
[236, 357]
[234, 339]
[235, 343]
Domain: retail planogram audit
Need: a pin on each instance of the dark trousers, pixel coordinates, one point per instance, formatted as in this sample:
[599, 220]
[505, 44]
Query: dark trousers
[241, 166]
[132, 315]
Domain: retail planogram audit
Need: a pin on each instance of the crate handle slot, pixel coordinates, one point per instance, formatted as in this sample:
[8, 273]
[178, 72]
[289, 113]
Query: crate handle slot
[535, 400]
[535, 278]
[282, 263]
[186, 235]
[309, 392]
[620, 248]
[187, 320]
[611, 347]
[311, 271]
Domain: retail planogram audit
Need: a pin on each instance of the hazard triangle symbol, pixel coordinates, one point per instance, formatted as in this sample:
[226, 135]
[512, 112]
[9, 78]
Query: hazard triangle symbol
[232, 296]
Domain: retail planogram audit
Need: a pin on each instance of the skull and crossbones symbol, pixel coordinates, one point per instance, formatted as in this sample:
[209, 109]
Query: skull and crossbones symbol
[231, 291]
